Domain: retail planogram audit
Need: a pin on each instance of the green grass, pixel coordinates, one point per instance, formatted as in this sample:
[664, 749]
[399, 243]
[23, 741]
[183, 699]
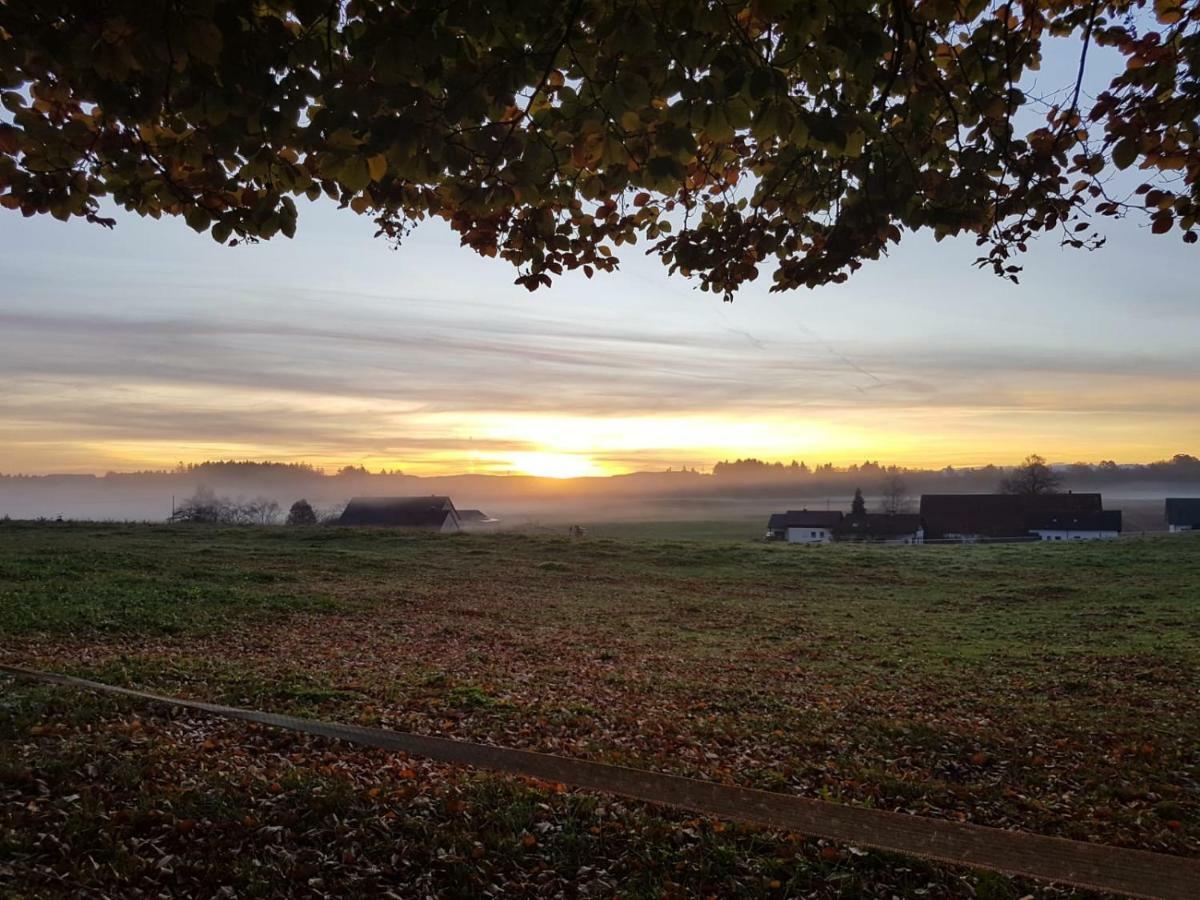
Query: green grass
[1046, 687]
[741, 529]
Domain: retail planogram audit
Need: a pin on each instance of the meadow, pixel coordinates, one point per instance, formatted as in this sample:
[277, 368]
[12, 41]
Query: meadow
[1047, 688]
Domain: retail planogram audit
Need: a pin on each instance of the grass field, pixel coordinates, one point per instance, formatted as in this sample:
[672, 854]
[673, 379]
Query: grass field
[1049, 688]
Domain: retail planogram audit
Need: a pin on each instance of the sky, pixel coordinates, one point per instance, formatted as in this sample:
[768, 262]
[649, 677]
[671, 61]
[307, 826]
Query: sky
[150, 345]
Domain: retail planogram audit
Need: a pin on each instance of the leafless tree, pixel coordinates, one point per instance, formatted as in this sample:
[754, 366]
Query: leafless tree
[206, 507]
[894, 492]
[329, 515]
[1032, 477]
[256, 511]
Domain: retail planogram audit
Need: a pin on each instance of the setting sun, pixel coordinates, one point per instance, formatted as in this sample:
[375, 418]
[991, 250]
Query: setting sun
[555, 465]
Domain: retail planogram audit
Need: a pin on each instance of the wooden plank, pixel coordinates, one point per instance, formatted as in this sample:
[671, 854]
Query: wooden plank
[1135, 873]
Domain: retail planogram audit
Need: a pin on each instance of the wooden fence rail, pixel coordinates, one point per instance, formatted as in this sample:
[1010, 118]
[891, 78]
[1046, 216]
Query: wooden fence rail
[1135, 873]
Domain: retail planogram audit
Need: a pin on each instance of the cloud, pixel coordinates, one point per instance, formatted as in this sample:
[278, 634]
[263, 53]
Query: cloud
[313, 378]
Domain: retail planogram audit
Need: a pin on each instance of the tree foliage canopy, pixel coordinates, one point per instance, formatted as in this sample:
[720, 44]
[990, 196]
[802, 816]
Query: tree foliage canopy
[798, 136]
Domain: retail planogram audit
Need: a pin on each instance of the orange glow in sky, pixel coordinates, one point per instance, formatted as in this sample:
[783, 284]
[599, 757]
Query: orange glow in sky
[555, 465]
[558, 445]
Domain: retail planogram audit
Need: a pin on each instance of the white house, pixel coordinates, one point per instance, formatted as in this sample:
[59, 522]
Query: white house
[799, 526]
[1102, 526]
[1183, 514]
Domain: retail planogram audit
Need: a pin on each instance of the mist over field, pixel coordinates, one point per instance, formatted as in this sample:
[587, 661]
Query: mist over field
[745, 490]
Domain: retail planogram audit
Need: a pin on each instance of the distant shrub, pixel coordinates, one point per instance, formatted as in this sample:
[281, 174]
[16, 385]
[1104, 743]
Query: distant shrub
[301, 513]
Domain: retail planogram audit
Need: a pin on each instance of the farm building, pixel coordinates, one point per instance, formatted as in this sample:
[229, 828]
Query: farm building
[888, 528]
[799, 526]
[428, 513]
[1183, 514]
[1088, 526]
[975, 517]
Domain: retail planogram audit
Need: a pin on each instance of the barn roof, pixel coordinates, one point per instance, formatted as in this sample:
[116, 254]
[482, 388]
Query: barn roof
[399, 512]
[998, 515]
[1183, 511]
[803, 518]
[880, 525]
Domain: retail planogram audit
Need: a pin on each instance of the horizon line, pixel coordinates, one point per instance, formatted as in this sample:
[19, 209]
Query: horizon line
[810, 469]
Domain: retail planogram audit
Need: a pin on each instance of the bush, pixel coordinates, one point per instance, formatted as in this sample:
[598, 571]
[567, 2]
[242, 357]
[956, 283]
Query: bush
[301, 513]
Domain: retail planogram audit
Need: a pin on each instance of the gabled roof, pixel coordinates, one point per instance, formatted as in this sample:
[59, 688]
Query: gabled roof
[997, 515]
[399, 512]
[880, 525]
[1107, 520]
[1183, 511]
[802, 518]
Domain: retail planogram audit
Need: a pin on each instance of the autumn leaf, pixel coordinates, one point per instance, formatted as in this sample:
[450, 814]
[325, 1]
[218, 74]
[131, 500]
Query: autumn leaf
[1125, 153]
[9, 139]
[377, 166]
[1168, 12]
[204, 41]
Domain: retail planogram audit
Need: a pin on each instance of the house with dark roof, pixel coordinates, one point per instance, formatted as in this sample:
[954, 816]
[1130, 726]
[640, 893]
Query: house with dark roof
[800, 526]
[887, 528]
[976, 517]
[426, 513]
[1183, 514]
